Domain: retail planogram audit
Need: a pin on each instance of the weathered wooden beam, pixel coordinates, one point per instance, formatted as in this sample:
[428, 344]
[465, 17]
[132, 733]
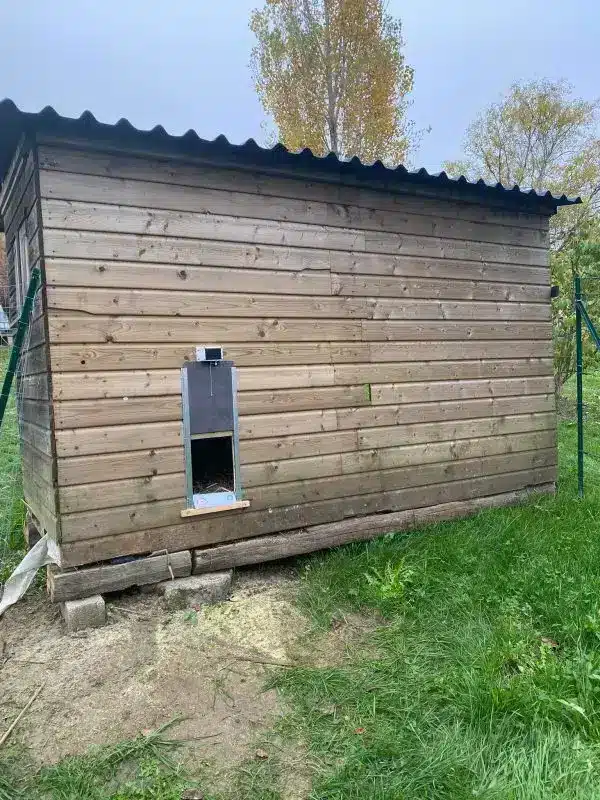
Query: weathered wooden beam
[78, 583]
[320, 537]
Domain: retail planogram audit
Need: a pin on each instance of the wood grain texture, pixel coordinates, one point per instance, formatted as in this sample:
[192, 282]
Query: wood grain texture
[117, 438]
[397, 330]
[39, 439]
[112, 493]
[404, 414]
[280, 448]
[140, 516]
[87, 329]
[286, 411]
[135, 534]
[116, 411]
[394, 350]
[37, 462]
[72, 584]
[280, 270]
[100, 385]
[416, 433]
[145, 436]
[385, 480]
[420, 231]
[320, 537]
[186, 303]
[416, 371]
[442, 289]
[290, 411]
[189, 303]
[294, 469]
[190, 172]
[162, 382]
[436, 391]
[21, 213]
[18, 194]
[237, 505]
[21, 152]
[306, 280]
[117, 466]
[130, 328]
[304, 477]
[34, 386]
[37, 360]
[103, 246]
[383, 352]
[502, 358]
[142, 496]
[35, 412]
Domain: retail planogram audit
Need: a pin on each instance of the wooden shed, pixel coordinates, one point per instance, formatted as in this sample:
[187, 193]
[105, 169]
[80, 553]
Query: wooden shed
[372, 345]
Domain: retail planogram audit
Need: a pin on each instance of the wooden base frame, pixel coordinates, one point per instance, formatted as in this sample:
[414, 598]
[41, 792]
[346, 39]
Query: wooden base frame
[320, 537]
[70, 584]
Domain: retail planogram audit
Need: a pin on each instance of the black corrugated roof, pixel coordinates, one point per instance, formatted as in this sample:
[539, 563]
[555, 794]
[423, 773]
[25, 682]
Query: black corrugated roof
[14, 122]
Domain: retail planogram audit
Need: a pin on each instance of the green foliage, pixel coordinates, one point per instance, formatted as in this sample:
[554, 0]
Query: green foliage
[580, 256]
[191, 617]
[389, 584]
[540, 136]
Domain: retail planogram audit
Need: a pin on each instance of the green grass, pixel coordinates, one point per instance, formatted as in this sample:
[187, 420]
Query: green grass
[138, 769]
[591, 406]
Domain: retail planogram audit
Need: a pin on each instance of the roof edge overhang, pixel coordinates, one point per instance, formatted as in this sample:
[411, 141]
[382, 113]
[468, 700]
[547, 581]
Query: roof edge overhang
[14, 123]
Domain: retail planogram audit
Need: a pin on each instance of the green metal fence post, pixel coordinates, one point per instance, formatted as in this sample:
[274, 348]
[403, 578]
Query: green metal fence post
[579, 360]
[22, 326]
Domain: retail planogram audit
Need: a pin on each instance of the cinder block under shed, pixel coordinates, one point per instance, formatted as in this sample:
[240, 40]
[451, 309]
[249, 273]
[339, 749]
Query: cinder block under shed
[197, 590]
[87, 613]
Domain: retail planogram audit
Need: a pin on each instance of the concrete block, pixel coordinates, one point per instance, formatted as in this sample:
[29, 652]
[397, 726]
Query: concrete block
[87, 613]
[197, 589]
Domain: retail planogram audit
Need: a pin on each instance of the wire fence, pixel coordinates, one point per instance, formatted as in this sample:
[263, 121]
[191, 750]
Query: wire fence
[578, 341]
[12, 505]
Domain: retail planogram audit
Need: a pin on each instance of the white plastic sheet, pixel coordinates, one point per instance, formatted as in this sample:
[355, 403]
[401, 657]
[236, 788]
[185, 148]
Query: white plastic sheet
[18, 583]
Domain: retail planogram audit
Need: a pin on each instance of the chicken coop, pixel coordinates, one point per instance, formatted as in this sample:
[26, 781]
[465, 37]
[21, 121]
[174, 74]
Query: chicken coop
[250, 353]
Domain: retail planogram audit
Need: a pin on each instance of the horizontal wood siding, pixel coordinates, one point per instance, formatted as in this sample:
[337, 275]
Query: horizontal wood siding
[20, 205]
[393, 350]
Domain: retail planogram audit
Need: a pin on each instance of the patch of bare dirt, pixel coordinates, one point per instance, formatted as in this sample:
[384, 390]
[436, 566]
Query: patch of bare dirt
[149, 665]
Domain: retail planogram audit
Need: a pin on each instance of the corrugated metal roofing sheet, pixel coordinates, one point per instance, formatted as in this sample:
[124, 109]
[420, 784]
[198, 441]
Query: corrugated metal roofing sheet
[13, 122]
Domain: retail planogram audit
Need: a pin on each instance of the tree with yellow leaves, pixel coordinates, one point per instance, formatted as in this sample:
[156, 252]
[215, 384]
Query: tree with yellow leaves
[332, 75]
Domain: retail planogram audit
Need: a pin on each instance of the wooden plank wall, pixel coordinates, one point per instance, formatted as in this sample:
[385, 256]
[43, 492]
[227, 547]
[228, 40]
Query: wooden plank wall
[394, 351]
[20, 204]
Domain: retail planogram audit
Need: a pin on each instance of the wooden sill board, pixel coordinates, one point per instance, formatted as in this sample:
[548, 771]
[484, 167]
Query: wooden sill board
[194, 512]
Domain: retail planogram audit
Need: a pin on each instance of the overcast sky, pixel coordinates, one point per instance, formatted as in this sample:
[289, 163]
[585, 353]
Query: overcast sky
[184, 63]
